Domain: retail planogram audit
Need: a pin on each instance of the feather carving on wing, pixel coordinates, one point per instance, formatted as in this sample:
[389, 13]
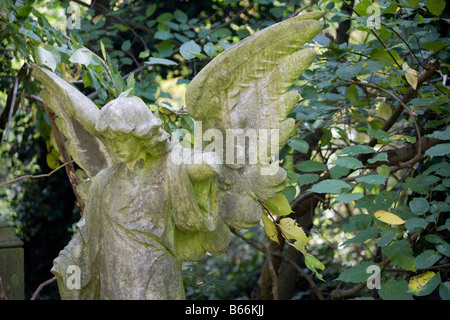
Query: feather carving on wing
[246, 88]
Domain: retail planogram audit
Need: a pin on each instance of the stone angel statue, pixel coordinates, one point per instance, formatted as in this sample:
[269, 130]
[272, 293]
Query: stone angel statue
[150, 203]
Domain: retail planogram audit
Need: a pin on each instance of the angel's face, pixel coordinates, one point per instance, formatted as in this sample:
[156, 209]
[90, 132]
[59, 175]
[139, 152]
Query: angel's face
[127, 147]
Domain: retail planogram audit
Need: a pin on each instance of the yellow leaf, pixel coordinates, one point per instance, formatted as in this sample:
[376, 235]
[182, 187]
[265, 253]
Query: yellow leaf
[278, 205]
[418, 282]
[102, 47]
[388, 217]
[291, 230]
[300, 246]
[411, 75]
[271, 229]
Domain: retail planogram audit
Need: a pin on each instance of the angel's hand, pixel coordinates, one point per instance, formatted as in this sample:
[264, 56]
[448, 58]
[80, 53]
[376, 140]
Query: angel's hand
[266, 186]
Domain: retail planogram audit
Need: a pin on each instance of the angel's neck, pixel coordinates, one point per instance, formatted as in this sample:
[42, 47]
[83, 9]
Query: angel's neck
[132, 164]
[148, 155]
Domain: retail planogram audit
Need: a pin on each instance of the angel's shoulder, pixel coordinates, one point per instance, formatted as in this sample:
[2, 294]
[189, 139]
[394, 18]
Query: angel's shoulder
[104, 176]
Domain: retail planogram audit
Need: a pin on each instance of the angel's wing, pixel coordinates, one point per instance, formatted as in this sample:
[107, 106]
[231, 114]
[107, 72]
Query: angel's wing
[76, 118]
[246, 87]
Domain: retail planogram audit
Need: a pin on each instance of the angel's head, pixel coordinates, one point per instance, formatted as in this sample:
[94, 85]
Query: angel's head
[132, 128]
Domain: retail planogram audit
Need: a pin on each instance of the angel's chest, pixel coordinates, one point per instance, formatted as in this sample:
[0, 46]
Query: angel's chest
[140, 195]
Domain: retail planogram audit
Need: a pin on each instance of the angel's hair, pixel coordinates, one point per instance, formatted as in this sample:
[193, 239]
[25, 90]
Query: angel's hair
[127, 116]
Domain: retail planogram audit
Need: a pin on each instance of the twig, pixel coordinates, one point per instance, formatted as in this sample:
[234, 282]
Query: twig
[42, 285]
[35, 176]
[70, 170]
[308, 278]
[254, 245]
[402, 104]
[11, 108]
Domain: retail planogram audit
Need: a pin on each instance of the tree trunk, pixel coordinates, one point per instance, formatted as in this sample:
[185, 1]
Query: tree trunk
[286, 274]
[342, 35]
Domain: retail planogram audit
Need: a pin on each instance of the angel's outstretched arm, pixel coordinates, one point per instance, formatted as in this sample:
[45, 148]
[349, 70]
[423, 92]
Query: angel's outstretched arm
[76, 118]
[68, 99]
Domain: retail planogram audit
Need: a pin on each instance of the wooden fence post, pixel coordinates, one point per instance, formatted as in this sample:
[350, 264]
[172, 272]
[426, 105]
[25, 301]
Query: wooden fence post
[11, 263]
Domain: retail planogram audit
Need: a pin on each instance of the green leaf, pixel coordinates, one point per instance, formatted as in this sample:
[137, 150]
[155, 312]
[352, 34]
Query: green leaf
[165, 48]
[444, 290]
[45, 58]
[118, 82]
[444, 248]
[312, 263]
[348, 197]
[387, 236]
[331, 186]
[126, 45]
[210, 49]
[82, 56]
[395, 290]
[351, 93]
[400, 254]
[311, 166]
[167, 16]
[420, 184]
[162, 35]
[439, 150]
[338, 172]
[306, 179]
[299, 144]
[441, 135]
[426, 259]
[348, 162]
[413, 3]
[289, 192]
[419, 206]
[378, 134]
[382, 157]
[150, 10]
[434, 45]
[278, 205]
[374, 179]
[356, 274]
[180, 16]
[189, 49]
[29, 33]
[308, 92]
[222, 33]
[359, 221]
[436, 7]
[356, 150]
[361, 237]
[384, 170]
[416, 224]
[361, 7]
[348, 71]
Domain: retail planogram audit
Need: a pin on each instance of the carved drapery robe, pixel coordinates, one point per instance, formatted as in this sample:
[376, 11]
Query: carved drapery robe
[135, 223]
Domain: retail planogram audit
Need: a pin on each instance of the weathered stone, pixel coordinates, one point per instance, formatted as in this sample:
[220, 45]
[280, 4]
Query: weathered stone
[11, 263]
